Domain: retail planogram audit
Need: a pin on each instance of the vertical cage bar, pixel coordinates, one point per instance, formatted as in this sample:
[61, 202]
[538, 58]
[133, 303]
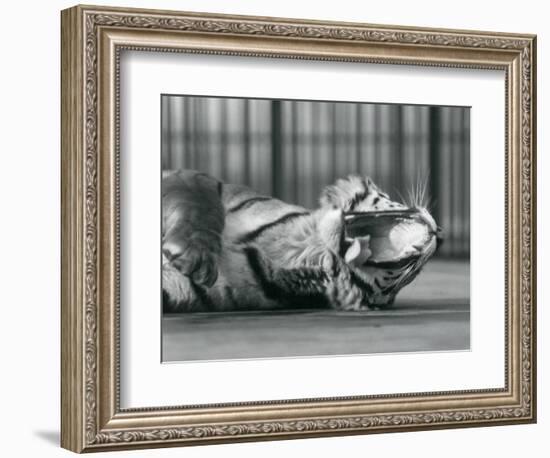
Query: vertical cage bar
[246, 141]
[434, 151]
[223, 139]
[276, 149]
[467, 194]
[166, 134]
[397, 148]
[358, 138]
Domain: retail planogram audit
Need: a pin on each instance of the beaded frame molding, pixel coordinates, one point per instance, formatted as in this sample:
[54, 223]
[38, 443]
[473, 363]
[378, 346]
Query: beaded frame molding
[92, 40]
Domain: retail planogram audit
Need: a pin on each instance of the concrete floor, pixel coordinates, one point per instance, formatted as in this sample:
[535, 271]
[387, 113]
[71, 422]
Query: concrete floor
[431, 314]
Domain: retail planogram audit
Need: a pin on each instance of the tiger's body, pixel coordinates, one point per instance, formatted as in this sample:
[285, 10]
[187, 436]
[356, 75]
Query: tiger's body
[226, 247]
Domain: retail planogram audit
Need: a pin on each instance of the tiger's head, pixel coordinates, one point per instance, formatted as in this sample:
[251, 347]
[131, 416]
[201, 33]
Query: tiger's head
[386, 243]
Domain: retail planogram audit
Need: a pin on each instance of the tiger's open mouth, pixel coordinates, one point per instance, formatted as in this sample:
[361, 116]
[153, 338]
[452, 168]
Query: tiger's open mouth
[388, 239]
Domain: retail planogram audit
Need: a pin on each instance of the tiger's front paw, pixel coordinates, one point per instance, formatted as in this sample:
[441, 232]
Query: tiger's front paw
[177, 291]
[197, 258]
[345, 297]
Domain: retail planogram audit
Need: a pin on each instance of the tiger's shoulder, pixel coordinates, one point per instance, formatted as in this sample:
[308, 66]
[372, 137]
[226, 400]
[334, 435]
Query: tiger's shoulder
[249, 213]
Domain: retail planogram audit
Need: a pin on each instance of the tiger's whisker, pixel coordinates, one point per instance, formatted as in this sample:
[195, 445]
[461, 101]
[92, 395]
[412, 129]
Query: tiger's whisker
[403, 200]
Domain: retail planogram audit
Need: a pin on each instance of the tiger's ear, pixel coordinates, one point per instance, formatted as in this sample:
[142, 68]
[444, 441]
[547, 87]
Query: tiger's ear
[345, 192]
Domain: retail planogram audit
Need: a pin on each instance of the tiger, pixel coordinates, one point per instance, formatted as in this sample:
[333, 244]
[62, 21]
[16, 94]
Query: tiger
[226, 247]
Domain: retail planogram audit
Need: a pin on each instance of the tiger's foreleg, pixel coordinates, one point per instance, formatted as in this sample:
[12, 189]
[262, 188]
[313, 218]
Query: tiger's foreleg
[334, 282]
[280, 283]
[192, 225]
[342, 292]
[340, 289]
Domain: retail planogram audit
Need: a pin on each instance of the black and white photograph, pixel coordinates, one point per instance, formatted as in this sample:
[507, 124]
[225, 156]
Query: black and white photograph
[275, 227]
[310, 228]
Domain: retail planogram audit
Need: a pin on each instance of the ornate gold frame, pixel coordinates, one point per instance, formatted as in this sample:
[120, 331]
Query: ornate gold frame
[92, 38]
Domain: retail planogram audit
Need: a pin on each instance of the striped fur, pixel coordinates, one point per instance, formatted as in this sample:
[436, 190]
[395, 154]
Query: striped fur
[226, 247]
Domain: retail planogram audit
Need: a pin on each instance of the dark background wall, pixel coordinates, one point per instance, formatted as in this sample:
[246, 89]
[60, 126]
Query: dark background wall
[292, 149]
